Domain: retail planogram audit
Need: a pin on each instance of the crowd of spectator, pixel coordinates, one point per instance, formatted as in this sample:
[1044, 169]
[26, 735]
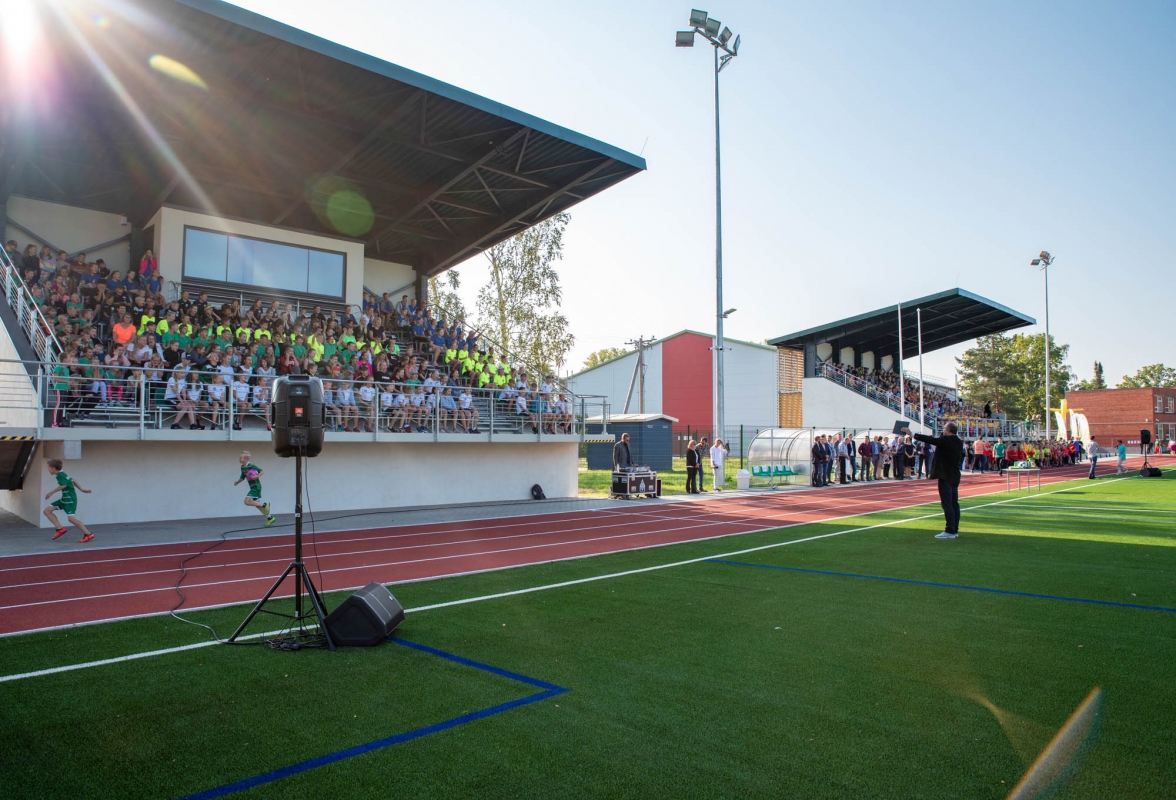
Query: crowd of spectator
[393, 364]
[937, 402]
[844, 458]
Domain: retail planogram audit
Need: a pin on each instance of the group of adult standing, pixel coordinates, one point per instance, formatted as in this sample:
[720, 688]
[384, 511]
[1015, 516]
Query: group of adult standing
[842, 459]
[698, 452]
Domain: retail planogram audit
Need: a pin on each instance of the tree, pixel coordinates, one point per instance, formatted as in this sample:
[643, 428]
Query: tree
[519, 307]
[605, 354]
[443, 294]
[1029, 364]
[1099, 381]
[987, 373]
[1010, 372]
[1153, 375]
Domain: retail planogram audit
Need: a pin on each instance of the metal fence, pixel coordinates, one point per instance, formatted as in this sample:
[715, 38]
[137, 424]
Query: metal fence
[141, 398]
[32, 322]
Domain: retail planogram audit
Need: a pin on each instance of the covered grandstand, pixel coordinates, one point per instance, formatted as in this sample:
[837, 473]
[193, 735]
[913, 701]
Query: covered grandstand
[259, 163]
[852, 373]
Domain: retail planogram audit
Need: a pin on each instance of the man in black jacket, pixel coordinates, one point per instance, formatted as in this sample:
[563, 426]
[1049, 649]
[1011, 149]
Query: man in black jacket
[703, 451]
[622, 457]
[949, 454]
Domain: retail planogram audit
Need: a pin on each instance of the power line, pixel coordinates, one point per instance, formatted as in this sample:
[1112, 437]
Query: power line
[641, 344]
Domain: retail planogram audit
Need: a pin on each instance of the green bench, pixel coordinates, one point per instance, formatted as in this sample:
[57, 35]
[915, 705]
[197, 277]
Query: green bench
[778, 471]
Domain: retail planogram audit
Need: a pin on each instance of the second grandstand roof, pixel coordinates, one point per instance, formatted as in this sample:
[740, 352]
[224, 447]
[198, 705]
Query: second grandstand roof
[949, 318]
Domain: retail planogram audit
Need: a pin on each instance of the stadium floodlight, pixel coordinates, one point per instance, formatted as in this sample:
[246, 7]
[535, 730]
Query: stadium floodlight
[1044, 260]
[701, 22]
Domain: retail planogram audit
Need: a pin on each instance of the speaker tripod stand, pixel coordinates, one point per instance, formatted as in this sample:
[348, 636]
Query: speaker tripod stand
[318, 609]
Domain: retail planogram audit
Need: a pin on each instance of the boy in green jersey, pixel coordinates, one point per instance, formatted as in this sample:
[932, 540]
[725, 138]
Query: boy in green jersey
[67, 503]
[254, 496]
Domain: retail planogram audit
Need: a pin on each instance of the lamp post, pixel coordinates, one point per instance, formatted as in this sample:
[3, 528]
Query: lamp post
[720, 38]
[1044, 260]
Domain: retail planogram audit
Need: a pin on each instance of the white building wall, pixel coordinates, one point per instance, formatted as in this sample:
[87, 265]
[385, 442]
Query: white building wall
[750, 376]
[69, 228]
[386, 276]
[829, 405]
[170, 223]
[153, 481]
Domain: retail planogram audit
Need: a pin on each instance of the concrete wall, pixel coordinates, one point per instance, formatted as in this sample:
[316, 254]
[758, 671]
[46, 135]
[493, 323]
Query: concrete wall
[830, 405]
[154, 481]
[386, 276]
[69, 228]
[170, 223]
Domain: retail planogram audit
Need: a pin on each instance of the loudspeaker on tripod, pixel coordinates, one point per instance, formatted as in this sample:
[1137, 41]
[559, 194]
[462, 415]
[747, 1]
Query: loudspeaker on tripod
[1145, 436]
[366, 618]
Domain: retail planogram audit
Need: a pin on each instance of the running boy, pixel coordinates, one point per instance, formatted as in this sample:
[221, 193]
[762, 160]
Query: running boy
[254, 496]
[68, 502]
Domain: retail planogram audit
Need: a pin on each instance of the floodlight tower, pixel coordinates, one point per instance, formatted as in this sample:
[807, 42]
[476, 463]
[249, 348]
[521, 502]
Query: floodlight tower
[720, 38]
[1044, 260]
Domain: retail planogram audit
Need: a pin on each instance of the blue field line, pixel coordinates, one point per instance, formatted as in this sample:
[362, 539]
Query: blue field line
[947, 585]
[549, 690]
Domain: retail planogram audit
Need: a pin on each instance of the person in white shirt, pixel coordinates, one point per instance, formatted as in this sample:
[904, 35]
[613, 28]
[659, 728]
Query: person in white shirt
[195, 396]
[400, 410]
[367, 404]
[718, 454]
[216, 398]
[467, 414]
[329, 404]
[386, 398]
[416, 411]
[345, 398]
[241, 395]
[261, 400]
[176, 396]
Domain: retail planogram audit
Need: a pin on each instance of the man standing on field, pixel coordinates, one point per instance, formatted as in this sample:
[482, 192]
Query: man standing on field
[949, 455]
[717, 454]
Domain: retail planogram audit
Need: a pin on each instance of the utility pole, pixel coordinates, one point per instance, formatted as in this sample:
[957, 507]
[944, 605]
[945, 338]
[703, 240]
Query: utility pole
[641, 344]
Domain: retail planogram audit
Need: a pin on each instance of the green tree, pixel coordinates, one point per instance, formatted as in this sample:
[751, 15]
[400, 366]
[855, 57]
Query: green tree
[605, 354]
[1029, 364]
[1099, 381]
[987, 374]
[519, 305]
[1010, 372]
[1153, 375]
[443, 294]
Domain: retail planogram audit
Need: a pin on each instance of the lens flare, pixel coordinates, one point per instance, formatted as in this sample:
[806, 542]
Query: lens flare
[177, 71]
[1061, 758]
[20, 28]
[350, 213]
[101, 22]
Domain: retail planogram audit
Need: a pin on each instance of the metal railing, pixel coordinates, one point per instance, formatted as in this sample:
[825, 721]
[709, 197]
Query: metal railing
[31, 321]
[970, 426]
[142, 398]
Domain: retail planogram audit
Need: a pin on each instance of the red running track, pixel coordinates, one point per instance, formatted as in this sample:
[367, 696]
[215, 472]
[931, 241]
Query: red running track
[55, 589]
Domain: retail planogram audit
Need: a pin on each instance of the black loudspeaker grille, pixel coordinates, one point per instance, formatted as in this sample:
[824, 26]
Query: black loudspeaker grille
[1150, 472]
[366, 618]
[1145, 436]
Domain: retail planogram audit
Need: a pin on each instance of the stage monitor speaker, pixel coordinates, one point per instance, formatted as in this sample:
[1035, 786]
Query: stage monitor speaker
[366, 618]
[1150, 472]
[1145, 436]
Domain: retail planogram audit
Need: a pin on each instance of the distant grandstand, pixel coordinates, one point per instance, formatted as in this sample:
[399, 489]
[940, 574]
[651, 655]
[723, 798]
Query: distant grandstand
[294, 196]
[854, 372]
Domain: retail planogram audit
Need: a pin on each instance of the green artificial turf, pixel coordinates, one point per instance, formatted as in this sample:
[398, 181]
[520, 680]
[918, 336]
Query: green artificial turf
[596, 482]
[701, 680]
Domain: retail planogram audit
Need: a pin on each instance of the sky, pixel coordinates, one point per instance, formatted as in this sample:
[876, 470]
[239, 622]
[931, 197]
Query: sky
[872, 153]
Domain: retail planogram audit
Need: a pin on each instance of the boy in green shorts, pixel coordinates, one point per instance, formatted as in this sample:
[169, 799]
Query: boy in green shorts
[68, 501]
[254, 496]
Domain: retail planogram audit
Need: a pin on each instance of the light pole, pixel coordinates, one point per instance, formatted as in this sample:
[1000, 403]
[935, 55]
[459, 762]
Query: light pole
[1044, 260]
[713, 31]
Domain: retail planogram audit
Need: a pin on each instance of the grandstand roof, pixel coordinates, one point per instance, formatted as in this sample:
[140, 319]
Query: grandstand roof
[202, 104]
[949, 318]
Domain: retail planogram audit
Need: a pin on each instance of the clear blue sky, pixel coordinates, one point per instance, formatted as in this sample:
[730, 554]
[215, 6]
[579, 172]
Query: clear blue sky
[873, 153]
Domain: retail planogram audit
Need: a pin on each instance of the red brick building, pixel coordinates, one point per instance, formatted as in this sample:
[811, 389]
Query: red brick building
[1115, 414]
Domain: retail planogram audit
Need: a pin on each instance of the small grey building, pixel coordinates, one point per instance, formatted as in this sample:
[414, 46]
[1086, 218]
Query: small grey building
[651, 440]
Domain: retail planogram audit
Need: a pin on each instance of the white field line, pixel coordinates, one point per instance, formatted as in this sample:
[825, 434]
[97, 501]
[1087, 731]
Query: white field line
[562, 584]
[119, 659]
[1107, 508]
